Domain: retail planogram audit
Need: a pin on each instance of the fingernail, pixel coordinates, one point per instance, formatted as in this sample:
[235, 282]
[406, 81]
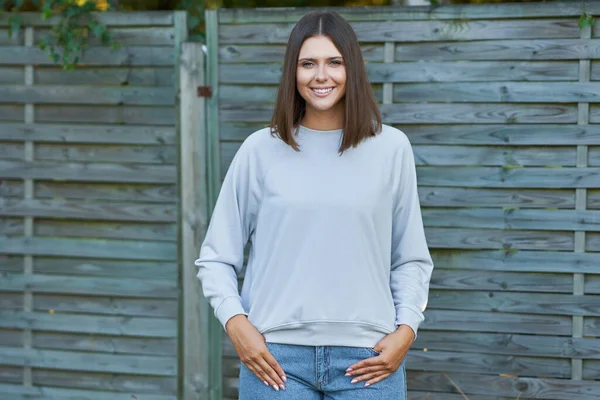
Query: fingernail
[353, 381]
[367, 384]
[276, 387]
[266, 383]
[283, 378]
[282, 387]
[349, 370]
[347, 374]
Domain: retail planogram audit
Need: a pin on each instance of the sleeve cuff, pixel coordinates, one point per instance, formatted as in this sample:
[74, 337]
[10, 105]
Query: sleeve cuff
[230, 307]
[406, 316]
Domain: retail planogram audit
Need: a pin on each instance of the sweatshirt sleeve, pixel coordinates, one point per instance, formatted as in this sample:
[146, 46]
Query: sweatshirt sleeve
[411, 262]
[233, 219]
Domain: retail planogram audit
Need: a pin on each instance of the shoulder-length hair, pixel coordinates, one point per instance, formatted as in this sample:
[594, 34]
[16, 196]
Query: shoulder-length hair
[363, 118]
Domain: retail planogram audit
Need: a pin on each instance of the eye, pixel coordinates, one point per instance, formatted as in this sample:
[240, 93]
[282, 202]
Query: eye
[336, 62]
[307, 64]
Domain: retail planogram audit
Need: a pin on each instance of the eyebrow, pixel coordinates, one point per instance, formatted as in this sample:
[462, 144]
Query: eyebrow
[314, 59]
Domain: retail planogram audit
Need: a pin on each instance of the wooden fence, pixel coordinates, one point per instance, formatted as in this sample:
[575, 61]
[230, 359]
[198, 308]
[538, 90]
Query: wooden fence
[500, 104]
[89, 271]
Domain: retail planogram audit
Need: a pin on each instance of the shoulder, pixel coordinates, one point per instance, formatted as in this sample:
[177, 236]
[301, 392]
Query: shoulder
[260, 141]
[393, 137]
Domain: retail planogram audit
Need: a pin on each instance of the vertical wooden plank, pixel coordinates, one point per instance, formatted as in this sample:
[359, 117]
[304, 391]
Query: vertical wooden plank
[388, 58]
[28, 195]
[213, 172]
[583, 115]
[196, 310]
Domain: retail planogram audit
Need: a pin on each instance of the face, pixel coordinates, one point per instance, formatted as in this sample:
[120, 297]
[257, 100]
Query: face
[321, 75]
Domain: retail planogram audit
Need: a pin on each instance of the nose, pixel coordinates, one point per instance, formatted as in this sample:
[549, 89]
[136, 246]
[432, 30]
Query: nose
[321, 73]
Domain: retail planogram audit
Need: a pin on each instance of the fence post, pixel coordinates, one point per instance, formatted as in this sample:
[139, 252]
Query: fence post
[194, 213]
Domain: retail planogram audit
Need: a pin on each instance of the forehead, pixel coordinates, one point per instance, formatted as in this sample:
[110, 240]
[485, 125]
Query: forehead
[318, 47]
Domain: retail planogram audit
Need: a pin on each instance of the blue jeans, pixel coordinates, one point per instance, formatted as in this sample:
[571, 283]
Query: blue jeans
[317, 373]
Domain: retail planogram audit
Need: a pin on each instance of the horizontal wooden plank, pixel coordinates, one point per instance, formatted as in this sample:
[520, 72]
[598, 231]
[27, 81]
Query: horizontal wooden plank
[418, 31]
[86, 361]
[450, 361]
[530, 177]
[509, 344]
[594, 156]
[594, 113]
[592, 242]
[92, 286]
[412, 72]
[126, 114]
[158, 56]
[11, 188]
[125, 36]
[234, 53]
[88, 172]
[527, 50]
[11, 113]
[529, 303]
[102, 325]
[16, 38]
[105, 381]
[515, 92]
[515, 387]
[100, 191]
[109, 268]
[475, 197]
[517, 261]
[12, 151]
[501, 281]
[87, 94]
[113, 18]
[386, 13]
[104, 343]
[424, 395]
[161, 154]
[17, 392]
[80, 133]
[542, 134]
[10, 300]
[86, 210]
[115, 249]
[592, 284]
[591, 326]
[12, 227]
[12, 75]
[84, 75]
[163, 232]
[11, 375]
[565, 220]
[11, 337]
[593, 200]
[11, 263]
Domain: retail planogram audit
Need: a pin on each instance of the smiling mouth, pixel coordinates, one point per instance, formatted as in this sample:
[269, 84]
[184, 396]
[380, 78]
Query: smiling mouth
[322, 91]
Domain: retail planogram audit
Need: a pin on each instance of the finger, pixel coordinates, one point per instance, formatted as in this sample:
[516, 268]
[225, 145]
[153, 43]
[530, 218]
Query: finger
[367, 370]
[377, 379]
[366, 377]
[367, 362]
[260, 374]
[275, 365]
[277, 382]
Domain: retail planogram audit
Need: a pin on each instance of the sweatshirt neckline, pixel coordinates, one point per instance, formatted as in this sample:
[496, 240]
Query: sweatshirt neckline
[303, 129]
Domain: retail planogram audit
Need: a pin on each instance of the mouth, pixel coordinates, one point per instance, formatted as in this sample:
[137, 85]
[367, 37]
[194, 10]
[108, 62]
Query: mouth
[322, 92]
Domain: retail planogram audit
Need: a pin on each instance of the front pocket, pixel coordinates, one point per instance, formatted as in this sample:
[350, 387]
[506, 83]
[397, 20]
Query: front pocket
[372, 351]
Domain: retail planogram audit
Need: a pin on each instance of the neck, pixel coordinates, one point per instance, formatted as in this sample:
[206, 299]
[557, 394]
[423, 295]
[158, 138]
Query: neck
[325, 120]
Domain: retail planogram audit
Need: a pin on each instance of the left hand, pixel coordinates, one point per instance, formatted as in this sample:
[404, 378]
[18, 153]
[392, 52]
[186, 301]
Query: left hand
[392, 348]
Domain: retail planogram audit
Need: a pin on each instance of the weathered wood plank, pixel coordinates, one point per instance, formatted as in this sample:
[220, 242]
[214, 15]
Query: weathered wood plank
[443, 12]
[594, 114]
[52, 170]
[418, 31]
[99, 191]
[17, 38]
[16, 392]
[126, 114]
[11, 188]
[119, 249]
[113, 18]
[531, 303]
[591, 369]
[105, 381]
[105, 343]
[413, 72]
[10, 75]
[11, 263]
[10, 300]
[11, 337]
[86, 361]
[11, 375]
[501, 281]
[240, 94]
[592, 242]
[79, 133]
[545, 135]
[591, 326]
[162, 305]
[108, 268]
[593, 200]
[475, 197]
[107, 153]
[12, 151]
[450, 361]
[102, 325]
[594, 156]
[87, 94]
[11, 112]
[165, 232]
[157, 56]
[234, 53]
[126, 36]
[565, 220]
[592, 284]
[516, 92]
[11, 226]
[424, 395]
[92, 286]
[536, 388]
[492, 177]
[517, 260]
[83, 75]
[82, 210]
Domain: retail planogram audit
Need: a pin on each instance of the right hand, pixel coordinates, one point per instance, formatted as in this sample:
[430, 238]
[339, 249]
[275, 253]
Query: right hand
[250, 346]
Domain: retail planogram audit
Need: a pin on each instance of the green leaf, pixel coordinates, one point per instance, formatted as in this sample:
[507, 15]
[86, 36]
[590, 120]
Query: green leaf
[15, 24]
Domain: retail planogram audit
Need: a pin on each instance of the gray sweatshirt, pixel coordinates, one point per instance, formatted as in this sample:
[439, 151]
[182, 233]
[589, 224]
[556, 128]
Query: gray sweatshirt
[338, 254]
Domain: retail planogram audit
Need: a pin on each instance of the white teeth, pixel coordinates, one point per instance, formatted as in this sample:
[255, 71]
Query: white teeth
[323, 91]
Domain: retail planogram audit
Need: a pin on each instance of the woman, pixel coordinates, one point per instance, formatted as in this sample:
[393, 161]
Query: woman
[338, 272]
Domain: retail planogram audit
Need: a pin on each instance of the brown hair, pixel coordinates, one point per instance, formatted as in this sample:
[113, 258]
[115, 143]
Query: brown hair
[362, 114]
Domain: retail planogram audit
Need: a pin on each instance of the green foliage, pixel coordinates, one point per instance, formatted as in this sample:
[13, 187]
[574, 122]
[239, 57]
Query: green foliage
[586, 20]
